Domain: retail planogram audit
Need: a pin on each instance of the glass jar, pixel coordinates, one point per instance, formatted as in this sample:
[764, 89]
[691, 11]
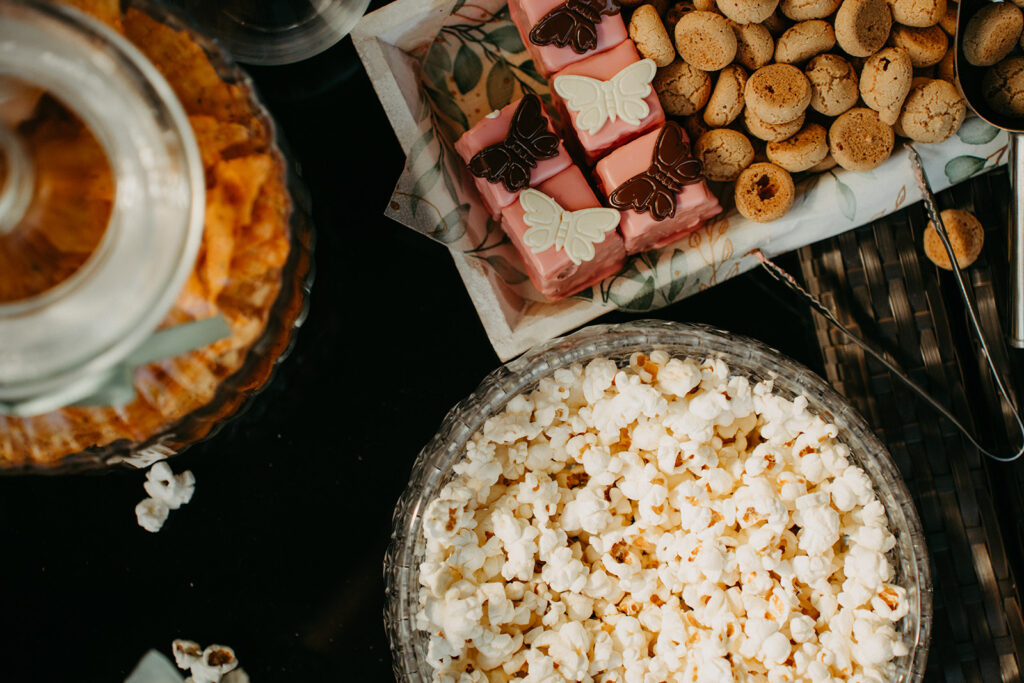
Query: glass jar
[142, 192]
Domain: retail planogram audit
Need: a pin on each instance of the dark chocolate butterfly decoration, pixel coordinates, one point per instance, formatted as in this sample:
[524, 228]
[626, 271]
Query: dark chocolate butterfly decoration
[655, 189]
[528, 140]
[573, 23]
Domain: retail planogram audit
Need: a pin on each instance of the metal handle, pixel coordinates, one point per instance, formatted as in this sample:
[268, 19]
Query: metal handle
[1016, 234]
[932, 209]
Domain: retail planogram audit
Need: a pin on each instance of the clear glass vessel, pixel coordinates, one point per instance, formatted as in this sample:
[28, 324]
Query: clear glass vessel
[275, 32]
[151, 132]
[745, 357]
[54, 351]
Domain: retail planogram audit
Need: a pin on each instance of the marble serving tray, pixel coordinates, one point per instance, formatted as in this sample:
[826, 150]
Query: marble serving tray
[440, 65]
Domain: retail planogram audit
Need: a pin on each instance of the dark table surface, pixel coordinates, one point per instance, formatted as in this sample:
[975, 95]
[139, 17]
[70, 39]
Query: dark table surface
[279, 553]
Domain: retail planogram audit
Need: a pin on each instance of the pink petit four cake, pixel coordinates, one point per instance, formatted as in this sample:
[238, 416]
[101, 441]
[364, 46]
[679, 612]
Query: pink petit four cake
[657, 185]
[560, 32]
[608, 99]
[510, 150]
[566, 239]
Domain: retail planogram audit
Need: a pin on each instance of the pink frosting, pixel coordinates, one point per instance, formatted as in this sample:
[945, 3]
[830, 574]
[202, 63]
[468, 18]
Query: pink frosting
[613, 133]
[488, 131]
[640, 231]
[552, 272]
[548, 58]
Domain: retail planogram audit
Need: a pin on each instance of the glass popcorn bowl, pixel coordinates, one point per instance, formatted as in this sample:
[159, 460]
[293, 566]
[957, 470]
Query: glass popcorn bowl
[745, 357]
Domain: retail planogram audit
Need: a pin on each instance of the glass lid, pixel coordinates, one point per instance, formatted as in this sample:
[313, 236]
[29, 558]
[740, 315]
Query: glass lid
[101, 203]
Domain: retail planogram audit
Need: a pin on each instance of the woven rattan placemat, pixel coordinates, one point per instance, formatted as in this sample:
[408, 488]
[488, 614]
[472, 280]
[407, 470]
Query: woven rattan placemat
[879, 283]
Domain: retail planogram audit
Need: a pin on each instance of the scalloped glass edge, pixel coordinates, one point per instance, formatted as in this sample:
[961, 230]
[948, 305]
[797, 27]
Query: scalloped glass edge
[747, 357]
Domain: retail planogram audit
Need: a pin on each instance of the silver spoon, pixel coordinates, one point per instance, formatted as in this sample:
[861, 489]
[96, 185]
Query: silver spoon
[969, 79]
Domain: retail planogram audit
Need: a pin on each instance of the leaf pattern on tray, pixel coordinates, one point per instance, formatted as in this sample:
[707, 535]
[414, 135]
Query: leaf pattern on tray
[976, 131]
[632, 289]
[678, 275]
[715, 249]
[476, 64]
[467, 69]
[501, 85]
[963, 167]
[847, 199]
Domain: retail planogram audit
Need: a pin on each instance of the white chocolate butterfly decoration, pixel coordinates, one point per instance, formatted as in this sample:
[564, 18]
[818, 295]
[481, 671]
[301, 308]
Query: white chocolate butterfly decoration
[574, 232]
[597, 101]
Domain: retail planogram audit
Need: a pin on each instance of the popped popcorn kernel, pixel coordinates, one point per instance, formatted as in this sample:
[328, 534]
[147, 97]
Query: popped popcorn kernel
[167, 491]
[208, 665]
[661, 521]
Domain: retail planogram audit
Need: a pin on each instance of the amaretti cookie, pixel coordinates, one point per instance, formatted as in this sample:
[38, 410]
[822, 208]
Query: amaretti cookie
[682, 88]
[747, 11]
[510, 150]
[802, 41]
[1002, 86]
[705, 40]
[802, 10]
[948, 20]
[650, 35]
[885, 81]
[777, 93]
[926, 46]
[834, 84]
[607, 99]
[966, 237]
[726, 101]
[862, 26]
[919, 13]
[825, 164]
[657, 185]
[802, 151]
[566, 239]
[946, 68]
[764, 192]
[992, 33]
[755, 46]
[933, 111]
[859, 141]
[694, 126]
[558, 33]
[724, 153]
[770, 132]
[776, 24]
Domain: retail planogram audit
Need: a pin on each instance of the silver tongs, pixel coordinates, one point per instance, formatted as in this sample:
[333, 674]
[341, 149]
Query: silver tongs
[931, 208]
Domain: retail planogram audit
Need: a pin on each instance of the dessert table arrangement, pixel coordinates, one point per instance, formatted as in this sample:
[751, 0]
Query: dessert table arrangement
[293, 549]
